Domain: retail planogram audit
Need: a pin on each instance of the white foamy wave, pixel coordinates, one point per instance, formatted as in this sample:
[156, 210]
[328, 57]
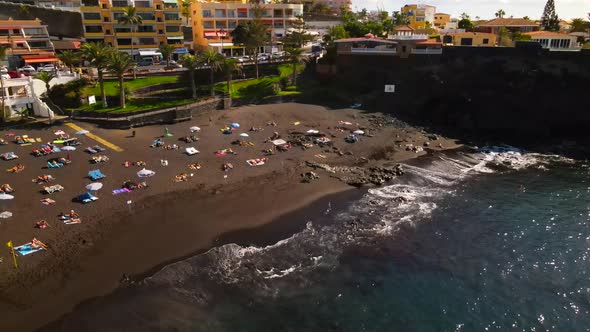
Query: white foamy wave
[518, 159]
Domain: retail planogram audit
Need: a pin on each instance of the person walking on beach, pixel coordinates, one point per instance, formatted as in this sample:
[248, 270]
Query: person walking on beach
[69, 156]
[133, 133]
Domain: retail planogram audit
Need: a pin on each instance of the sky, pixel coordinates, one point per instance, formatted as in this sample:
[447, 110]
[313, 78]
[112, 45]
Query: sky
[485, 9]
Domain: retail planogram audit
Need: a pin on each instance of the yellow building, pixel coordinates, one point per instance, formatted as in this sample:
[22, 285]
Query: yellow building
[441, 19]
[213, 22]
[161, 25]
[419, 15]
[469, 39]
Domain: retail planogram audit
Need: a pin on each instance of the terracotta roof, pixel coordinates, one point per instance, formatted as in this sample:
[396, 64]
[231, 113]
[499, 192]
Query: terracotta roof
[508, 22]
[547, 34]
[403, 28]
[365, 39]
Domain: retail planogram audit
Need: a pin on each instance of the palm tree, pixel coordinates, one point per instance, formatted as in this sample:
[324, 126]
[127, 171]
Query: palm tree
[500, 13]
[98, 54]
[185, 9]
[229, 67]
[2, 56]
[119, 63]
[167, 51]
[295, 56]
[191, 63]
[214, 61]
[69, 58]
[131, 18]
[46, 77]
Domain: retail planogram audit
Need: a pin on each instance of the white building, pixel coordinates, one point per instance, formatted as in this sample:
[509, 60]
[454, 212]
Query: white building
[555, 41]
[18, 95]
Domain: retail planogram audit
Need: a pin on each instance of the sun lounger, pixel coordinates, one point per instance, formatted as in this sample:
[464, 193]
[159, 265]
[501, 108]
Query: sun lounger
[121, 191]
[96, 175]
[27, 249]
[87, 198]
[279, 142]
[51, 165]
[53, 189]
[257, 162]
[191, 151]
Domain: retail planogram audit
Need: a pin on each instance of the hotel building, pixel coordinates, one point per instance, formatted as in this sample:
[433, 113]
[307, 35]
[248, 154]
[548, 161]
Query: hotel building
[418, 15]
[27, 42]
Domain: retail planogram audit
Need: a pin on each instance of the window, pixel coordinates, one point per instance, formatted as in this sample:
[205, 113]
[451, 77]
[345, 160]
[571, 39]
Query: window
[447, 39]
[123, 41]
[93, 28]
[104, 6]
[106, 19]
[554, 43]
[278, 13]
[3, 32]
[278, 25]
[288, 12]
[219, 13]
[117, 15]
[232, 24]
[420, 19]
[119, 3]
[142, 4]
[16, 32]
[207, 24]
[466, 41]
[486, 41]
[172, 28]
[147, 16]
[158, 7]
[231, 13]
[90, 3]
[91, 16]
[107, 32]
[146, 28]
[220, 25]
[34, 31]
[207, 13]
[20, 45]
[147, 41]
[171, 17]
[160, 32]
[243, 12]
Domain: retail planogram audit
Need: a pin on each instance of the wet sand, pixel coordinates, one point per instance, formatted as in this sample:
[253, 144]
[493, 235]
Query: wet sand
[168, 220]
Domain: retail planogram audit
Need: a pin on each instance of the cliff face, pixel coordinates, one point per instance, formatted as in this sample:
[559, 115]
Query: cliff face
[515, 95]
[59, 22]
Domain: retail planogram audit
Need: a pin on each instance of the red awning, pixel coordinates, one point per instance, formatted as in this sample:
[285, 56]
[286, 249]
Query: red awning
[242, 10]
[215, 33]
[38, 60]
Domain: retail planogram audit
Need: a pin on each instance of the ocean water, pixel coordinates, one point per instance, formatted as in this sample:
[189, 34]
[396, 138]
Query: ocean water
[491, 240]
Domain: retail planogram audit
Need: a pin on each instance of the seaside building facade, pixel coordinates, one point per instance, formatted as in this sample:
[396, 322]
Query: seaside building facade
[512, 24]
[441, 20]
[420, 16]
[481, 39]
[27, 42]
[555, 41]
[161, 25]
[213, 22]
[19, 96]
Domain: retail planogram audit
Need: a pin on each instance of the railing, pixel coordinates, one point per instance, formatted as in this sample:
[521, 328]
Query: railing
[427, 51]
[374, 50]
[407, 37]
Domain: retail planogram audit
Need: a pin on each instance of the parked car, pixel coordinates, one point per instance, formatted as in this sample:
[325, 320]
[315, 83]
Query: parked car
[173, 64]
[14, 74]
[263, 57]
[146, 62]
[27, 70]
[49, 68]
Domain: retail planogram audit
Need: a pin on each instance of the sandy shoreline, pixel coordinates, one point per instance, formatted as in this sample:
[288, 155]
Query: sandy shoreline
[170, 221]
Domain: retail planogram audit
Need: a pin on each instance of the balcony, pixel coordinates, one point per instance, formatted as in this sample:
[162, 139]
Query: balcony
[89, 9]
[407, 37]
[94, 34]
[85, 21]
[373, 51]
[427, 51]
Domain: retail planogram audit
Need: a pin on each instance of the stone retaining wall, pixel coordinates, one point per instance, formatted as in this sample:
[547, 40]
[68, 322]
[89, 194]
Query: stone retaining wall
[144, 118]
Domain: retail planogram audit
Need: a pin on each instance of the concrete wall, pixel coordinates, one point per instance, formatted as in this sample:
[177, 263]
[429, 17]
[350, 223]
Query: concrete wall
[144, 118]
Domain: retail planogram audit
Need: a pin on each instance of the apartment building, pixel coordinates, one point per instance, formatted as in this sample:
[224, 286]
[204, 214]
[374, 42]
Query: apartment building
[213, 22]
[161, 25]
[441, 19]
[419, 15]
[27, 42]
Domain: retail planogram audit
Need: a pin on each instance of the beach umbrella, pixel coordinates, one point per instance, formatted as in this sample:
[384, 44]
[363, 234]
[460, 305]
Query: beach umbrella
[94, 186]
[68, 148]
[358, 132]
[5, 214]
[194, 129]
[145, 173]
[244, 135]
[82, 132]
[235, 125]
[4, 196]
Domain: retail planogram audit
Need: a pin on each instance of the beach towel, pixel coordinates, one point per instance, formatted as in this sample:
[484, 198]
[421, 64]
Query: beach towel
[257, 162]
[69, 221]
[279, 142]
[27, 249]
[121, 191]
[191, 151]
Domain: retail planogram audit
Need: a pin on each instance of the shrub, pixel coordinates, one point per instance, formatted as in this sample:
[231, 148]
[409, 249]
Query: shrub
[68, 95]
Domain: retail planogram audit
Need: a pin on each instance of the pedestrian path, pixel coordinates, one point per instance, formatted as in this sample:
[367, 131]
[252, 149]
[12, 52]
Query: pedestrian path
[96, 138]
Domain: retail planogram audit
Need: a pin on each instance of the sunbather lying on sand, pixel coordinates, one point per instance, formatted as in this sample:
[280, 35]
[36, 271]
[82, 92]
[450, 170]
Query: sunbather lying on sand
[6, 188]
[226, 167]
[47, 201]
[16, 169]
[181, 177]
[43, 179]
[194, 166]
[41, 224]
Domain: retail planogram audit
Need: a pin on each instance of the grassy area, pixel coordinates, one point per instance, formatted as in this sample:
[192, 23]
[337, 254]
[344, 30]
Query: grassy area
[111, 87]
[257, 89]
[135, 105]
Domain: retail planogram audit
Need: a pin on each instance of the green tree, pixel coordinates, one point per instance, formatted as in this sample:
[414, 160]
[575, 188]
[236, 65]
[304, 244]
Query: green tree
[191, 62]
[229, 67]
[466, 24]
[2, 57]
[97, 53]
[185, 9]
[579, 25]
[400, 18]
[334, 33]
[504, 37]
[298, 36]
[167, 51]
[500, 13]
[119, 63]
[549, 19]
[526, 18]
[464, 16]
[131, 18]
[214, 60]
[295, 56]
[69, 58]
[46, 77]
[256, 36]
[519, 36]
